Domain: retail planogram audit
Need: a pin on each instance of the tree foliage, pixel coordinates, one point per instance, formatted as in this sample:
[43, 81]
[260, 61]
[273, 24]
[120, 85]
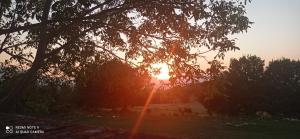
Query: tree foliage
[236, 90]
[247, 87]
[111, 84]
[246, 79]
[55, 34]
[48, 94]
[282, 79]
[78, 28]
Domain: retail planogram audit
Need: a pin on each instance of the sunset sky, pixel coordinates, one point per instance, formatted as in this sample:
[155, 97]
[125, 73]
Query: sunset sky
[275, 32]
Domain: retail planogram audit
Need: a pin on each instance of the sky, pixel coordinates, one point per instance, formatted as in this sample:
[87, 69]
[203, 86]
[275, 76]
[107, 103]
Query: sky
[275, 32]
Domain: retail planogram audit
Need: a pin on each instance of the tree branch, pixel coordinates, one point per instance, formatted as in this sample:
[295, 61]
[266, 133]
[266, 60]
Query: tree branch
[116, 56]
[16, 45]
[81, 17]
[3, 42]
[17, 56]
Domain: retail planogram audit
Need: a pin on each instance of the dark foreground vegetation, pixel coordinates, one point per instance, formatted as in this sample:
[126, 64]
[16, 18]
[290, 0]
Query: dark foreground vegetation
[64, 130]
[110, 126]
[246, 88]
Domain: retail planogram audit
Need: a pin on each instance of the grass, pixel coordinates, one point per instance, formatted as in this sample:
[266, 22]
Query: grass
[193, 126]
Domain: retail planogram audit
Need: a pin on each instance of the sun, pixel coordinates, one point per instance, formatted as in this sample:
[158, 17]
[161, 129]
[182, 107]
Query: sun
[163, 73]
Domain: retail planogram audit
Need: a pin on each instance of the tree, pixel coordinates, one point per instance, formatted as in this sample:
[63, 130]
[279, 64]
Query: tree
[211, 93]
[111, 84]
[215, 72]
[237, 90]
[47, 94]
[282, 78]
[70, 33]
[8, 75]
[246, 79]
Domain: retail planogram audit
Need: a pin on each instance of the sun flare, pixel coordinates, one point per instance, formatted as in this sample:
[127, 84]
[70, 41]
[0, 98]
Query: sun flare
[163, 72]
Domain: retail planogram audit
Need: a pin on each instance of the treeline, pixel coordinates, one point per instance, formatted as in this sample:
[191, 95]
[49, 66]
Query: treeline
[246, 87]
[99, 84]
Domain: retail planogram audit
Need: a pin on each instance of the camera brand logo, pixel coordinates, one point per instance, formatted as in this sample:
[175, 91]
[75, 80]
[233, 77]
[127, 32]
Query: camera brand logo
[9, 129]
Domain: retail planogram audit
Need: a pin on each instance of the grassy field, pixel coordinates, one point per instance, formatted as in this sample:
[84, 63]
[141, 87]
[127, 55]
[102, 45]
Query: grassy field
[197, 125]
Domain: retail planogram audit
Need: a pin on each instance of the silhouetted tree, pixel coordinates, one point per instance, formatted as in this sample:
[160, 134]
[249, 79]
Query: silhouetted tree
[215, 71]
[48, 94]
[70, 33]
[111, 84]
[8, 76]
[246, 83]
[282, 78]
[211, 93]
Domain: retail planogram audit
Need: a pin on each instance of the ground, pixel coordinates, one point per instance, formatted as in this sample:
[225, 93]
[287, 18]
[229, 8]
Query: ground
[194, 127]
[164, 121]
